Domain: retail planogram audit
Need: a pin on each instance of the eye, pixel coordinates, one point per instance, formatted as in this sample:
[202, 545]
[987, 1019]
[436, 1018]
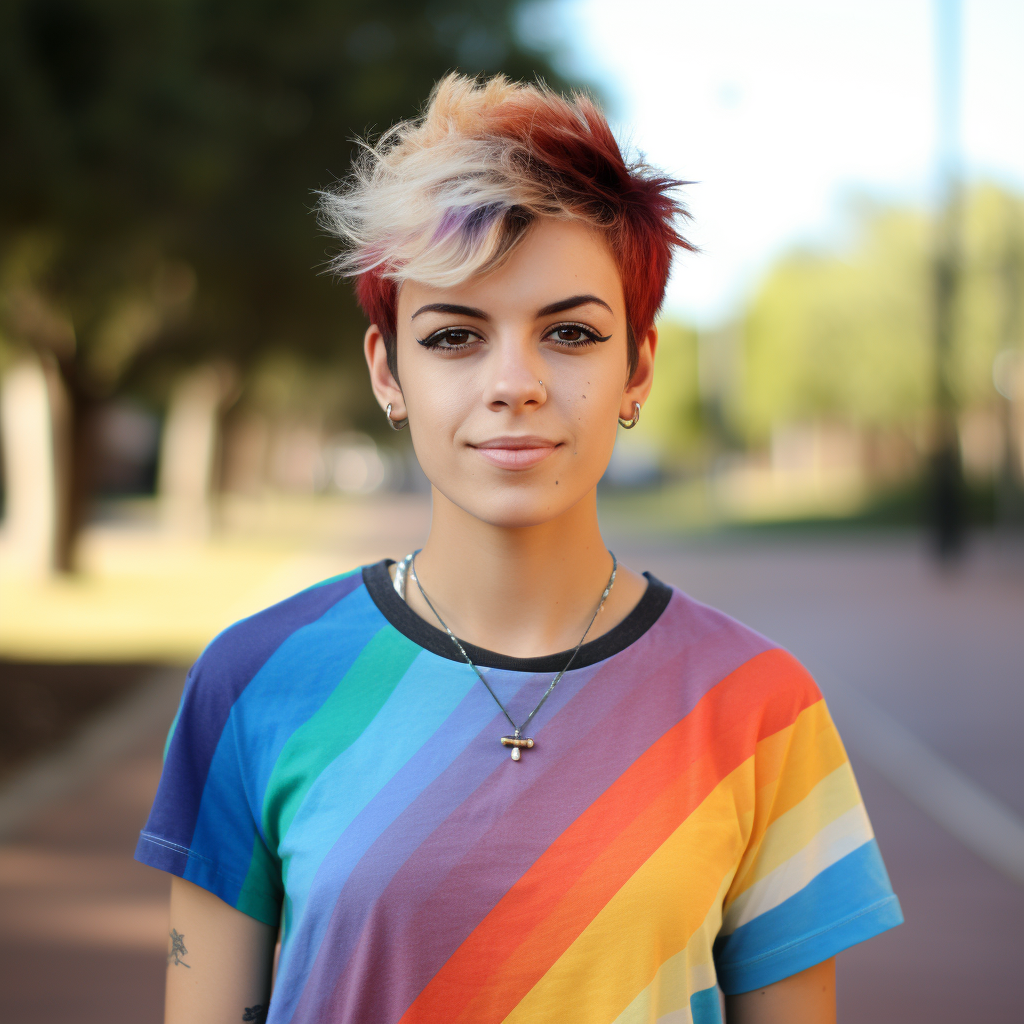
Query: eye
[450, 338]
[574, 335]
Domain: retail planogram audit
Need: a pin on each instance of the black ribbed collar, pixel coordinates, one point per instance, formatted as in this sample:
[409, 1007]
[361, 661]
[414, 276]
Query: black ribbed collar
[406, 621]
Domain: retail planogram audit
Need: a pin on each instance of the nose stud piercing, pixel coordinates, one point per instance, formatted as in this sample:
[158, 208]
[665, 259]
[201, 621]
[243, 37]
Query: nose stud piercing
[630, 424]
[396, 424]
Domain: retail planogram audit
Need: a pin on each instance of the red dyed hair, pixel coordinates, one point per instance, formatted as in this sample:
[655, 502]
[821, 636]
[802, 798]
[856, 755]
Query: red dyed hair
[506, 154]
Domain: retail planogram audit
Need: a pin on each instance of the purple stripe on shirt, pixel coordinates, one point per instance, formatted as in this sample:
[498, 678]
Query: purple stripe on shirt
[455, 765]
[474, 717]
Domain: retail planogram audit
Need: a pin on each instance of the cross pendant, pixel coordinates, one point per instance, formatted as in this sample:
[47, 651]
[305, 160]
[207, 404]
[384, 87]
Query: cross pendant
[516, 743]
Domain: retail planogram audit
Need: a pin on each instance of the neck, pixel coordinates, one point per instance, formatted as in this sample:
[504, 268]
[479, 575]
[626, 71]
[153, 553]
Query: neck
[523, 591]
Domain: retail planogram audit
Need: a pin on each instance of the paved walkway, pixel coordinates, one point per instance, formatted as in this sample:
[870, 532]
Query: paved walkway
[82, 927]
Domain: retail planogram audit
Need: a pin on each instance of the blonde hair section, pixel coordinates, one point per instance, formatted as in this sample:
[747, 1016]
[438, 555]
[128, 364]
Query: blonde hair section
[440, 198]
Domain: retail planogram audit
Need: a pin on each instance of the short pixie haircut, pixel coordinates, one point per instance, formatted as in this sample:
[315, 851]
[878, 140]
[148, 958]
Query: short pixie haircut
[448, 195]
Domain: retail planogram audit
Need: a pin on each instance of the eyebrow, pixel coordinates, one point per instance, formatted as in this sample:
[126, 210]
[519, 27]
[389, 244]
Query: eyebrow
[478, 314]
[449, 307]
[571, 303]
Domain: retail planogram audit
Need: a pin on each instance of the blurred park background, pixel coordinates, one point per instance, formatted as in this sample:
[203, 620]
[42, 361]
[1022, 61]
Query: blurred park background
[834, 449]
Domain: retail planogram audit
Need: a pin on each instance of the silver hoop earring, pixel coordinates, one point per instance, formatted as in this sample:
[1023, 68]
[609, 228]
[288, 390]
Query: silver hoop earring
[396, 424]
[630, 424]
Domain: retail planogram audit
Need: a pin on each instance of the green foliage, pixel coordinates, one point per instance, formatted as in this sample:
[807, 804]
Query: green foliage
[842, 335]
[671, 416]
[160, 158]
[848, 335]
[992, 290]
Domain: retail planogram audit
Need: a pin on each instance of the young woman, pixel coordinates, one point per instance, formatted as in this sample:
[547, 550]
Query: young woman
[507, 779]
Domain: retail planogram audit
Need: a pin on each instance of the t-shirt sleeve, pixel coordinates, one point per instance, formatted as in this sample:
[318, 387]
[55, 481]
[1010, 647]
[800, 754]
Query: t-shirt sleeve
[204, 826]
[811, 881]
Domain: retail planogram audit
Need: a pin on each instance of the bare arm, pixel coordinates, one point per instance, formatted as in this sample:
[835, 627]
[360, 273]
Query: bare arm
[805, 998]
[219, 960]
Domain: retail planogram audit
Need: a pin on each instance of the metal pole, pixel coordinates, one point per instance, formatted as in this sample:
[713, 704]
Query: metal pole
[946, 489]
[1009, 368]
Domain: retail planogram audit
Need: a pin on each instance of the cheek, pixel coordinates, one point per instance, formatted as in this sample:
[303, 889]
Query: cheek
[439, 402]
[592, 394]
[591, 409]
[432, 392]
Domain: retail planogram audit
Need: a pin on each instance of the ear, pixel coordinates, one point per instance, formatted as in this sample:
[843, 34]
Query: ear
[384, 385]
[639, 385]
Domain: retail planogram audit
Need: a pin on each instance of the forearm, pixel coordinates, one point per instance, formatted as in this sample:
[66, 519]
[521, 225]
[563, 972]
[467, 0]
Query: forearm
[219, 960]
[805, 998]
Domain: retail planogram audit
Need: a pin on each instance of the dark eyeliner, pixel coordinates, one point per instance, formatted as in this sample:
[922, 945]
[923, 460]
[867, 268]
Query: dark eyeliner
[591, 335]
[430, 340]
[433, 340]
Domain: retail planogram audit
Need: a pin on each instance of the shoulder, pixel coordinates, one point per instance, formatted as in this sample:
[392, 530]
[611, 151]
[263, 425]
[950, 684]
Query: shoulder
[733, 656]
[336, 612]
[258, 680]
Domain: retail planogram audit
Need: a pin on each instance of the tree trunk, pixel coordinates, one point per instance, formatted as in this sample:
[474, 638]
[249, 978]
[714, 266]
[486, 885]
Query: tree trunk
[189, 448]
[35, 415]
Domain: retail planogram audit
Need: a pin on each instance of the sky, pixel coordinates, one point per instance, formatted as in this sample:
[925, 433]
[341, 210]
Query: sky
[784, 112]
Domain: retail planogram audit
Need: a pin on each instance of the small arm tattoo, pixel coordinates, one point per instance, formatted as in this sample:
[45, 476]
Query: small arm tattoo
[256, 1013]
[178, 949]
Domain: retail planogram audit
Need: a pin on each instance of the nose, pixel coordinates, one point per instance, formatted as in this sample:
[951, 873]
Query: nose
[515, 376]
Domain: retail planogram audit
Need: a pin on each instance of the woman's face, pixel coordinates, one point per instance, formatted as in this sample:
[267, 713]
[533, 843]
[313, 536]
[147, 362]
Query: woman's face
[513, 381]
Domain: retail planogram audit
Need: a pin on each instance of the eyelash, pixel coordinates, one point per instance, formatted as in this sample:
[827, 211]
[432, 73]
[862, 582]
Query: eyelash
[591, 337]
[434, 340]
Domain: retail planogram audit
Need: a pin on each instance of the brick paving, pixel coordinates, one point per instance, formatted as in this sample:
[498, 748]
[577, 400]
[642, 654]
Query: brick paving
[82, 926]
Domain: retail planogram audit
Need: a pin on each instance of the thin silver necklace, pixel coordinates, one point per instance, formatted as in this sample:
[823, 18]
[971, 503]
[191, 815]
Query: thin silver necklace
[517, 741]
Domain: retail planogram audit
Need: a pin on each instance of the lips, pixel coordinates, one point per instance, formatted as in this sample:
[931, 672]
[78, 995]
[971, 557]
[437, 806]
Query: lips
[516, 452]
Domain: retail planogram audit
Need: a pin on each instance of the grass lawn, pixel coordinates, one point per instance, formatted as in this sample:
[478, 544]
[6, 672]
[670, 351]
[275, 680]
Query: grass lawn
[144, 594]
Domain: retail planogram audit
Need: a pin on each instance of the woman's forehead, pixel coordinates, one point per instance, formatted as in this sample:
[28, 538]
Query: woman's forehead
[556, 259]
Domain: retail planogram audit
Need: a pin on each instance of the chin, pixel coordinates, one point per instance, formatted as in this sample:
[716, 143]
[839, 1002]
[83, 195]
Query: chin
[516, 507]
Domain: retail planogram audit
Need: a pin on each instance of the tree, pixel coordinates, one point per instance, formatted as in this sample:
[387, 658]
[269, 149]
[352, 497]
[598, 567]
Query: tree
[842, 335]
[159, 164]
[846, 334]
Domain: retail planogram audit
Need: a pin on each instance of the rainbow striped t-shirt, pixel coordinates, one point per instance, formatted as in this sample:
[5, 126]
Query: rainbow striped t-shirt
[687, 818]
